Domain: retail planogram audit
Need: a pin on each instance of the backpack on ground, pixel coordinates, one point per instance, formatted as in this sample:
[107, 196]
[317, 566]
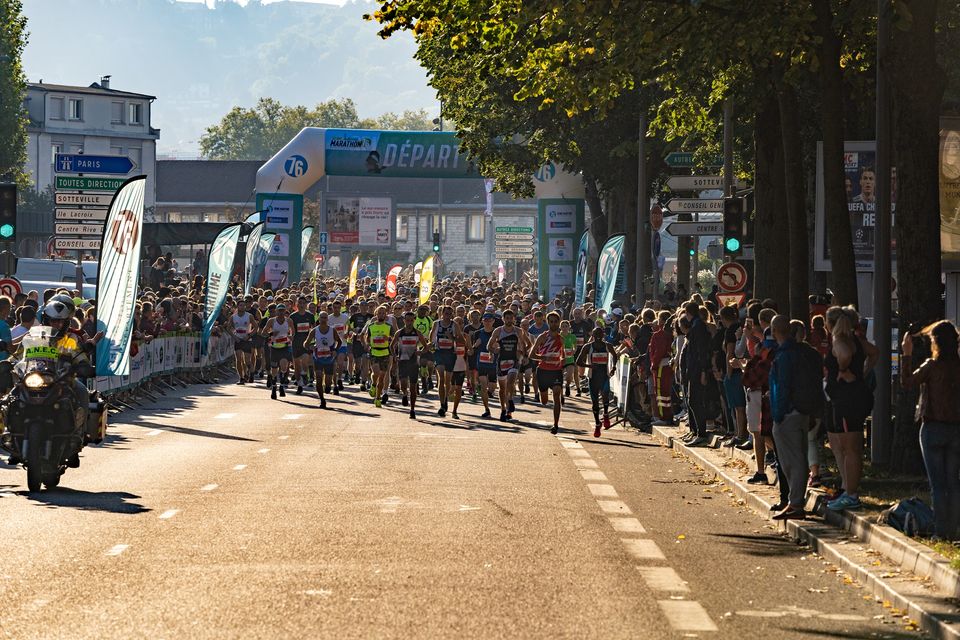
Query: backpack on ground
[807, 392]
[912, 517]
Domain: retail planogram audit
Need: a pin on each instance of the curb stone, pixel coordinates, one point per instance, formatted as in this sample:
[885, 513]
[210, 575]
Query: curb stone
[908, 578]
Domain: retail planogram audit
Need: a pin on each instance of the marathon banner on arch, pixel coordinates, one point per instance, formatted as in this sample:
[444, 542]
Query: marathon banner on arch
[253, 242]
[219, 271]
[583, 257]
[261, 253]
[352, 291]
[426, 280]
[305, 236]
[118, 276]
[391, 284]
[608, 268]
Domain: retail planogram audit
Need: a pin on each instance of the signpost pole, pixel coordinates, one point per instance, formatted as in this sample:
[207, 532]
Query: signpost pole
[79, 273]
[643, 211]
[881, 433]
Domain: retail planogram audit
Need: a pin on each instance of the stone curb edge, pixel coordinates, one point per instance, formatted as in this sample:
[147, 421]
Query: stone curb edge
[938, 624]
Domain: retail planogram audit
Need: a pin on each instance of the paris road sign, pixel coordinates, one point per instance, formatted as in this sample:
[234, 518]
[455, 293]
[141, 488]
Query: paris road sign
[79, 163]
[677, 229]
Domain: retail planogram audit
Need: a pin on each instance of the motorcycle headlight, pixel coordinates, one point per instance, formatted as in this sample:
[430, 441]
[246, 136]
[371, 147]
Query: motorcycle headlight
[36, 380]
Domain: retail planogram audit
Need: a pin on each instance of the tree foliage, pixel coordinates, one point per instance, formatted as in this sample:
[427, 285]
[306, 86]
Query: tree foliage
[13, 88]
[257, 133]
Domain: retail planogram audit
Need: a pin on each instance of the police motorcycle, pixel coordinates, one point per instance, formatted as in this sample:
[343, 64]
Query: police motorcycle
[49, 415]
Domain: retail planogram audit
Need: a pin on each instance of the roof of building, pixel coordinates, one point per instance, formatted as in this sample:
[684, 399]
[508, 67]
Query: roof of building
[220, 181]
[93, 89]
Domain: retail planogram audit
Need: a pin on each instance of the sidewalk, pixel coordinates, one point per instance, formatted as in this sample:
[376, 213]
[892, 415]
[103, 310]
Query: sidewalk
[903, 574]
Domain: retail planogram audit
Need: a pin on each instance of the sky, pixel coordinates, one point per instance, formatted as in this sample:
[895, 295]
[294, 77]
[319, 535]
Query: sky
[244, 2]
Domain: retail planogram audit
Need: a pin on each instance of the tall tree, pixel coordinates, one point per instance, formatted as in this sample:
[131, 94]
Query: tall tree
[13, 88]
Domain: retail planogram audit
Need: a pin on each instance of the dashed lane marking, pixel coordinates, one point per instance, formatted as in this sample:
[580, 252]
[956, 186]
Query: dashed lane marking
[614, 506]
[283, 437]
[292, 416]
[169, 513]
[571, 444]
[663, 579]
[643, 549]
[209, 487]
[578, 453]
[627, 525]
[585, 463]
[224, 416]
[263, 451]
[602, 490]
[155, 432]
[240, 467]
[117, 549]
[686, 615]
[593, 476]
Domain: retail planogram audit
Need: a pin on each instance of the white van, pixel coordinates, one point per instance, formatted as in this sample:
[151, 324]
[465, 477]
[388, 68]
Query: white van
[44, 273]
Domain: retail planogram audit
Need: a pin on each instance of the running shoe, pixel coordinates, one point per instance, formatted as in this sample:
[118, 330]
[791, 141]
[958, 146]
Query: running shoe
[376, 402]
[455, 416]
[442, 412]
[758, 478]
[240, 381]
[405, 401]
[503, 416]
[510, 406]
[746, 445]
[485, 414]
[596, 431]
[844, 503]
[555, 430]
[323, 403]
[383, 398]
[606, 422]
[413, 414]
[814, 482]
[373, 392]
[273, 393]
[299, 389]
[336, 390]
[283, 391]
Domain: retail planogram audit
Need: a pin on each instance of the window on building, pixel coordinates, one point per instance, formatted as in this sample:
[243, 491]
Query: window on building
[75, 109]
[55, 148]
[56, 108]
[438, 222]
[116, 113]
[476, 227]
[134, 111]
[403, 228]
[116, 151]
[134, 154]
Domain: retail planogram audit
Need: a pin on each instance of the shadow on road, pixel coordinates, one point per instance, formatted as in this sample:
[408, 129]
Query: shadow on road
[892, 634]
[760, 545]
[110, 501]
[605, 440]
[188, 431]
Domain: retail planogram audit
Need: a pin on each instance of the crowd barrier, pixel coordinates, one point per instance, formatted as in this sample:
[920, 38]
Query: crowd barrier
[168, 354]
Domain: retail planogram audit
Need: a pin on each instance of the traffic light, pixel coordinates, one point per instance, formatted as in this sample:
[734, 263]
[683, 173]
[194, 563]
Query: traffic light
[733, 226]
[436, 241]
[692, 251]
[8, 212]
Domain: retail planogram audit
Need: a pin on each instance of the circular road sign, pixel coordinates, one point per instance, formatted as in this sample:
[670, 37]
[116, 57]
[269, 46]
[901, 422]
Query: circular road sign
[731, 277]
[10, 287]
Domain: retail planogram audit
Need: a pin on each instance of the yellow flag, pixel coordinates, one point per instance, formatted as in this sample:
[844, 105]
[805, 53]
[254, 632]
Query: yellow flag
[353, 278]
[426, 280]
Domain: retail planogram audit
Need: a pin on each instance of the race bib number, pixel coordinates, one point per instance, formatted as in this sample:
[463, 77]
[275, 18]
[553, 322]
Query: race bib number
[506, 365]
[323, 351]
[486, 358]
[599, 358]
[445, 343]
[568, 352]
[303, 327]
[379, 341]
[461, 350]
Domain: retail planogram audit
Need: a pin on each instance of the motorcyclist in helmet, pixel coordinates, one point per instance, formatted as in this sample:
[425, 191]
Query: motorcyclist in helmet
[58, 314]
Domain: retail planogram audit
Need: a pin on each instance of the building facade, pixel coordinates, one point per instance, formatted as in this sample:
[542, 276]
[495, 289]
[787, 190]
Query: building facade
[95, 120]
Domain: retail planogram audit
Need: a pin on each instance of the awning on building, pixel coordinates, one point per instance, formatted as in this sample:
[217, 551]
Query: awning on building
[179, 233]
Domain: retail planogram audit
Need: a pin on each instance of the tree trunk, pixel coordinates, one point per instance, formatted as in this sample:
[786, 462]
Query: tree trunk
[771, 276]
[918, 84]
[836, 216]
[796, 201]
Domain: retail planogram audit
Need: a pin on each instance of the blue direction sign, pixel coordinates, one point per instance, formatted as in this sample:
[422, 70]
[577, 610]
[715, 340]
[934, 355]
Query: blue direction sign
[323, 237]
[76, 163]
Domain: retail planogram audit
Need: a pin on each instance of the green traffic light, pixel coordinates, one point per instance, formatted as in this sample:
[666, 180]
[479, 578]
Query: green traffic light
[693, 252]
[6, 231]
[436, 248]
[732, 244]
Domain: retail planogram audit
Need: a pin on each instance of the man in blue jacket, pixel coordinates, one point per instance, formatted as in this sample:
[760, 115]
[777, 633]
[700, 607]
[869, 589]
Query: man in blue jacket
[790, 426]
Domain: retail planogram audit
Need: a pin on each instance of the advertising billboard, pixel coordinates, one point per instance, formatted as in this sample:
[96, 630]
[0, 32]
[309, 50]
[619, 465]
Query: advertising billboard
[359, 222]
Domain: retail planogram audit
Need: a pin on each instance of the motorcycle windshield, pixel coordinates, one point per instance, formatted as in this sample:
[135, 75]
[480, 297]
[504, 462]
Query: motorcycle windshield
[39, 349]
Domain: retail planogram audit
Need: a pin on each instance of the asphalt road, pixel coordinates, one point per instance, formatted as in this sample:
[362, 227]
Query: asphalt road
[218, 513]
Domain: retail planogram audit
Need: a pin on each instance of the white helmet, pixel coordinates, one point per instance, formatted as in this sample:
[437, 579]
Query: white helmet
[60, 307]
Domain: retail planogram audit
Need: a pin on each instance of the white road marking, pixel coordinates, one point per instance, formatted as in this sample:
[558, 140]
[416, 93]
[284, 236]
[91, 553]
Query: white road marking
[585, 463]
[627, 525]
[224, 416]
[466, 507]
[263, 451]
[283, 437]
[589, 474]
[117, 549]
[578, 453]
[571, 444]
[293, 416]
[602, 490]
[169, 513]
[240, 467]
[686, 615]
[209, 487]
[643, 549]
[614, 506]
[663, 579]
[389, 505]
[155, 432]
[323, 593]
